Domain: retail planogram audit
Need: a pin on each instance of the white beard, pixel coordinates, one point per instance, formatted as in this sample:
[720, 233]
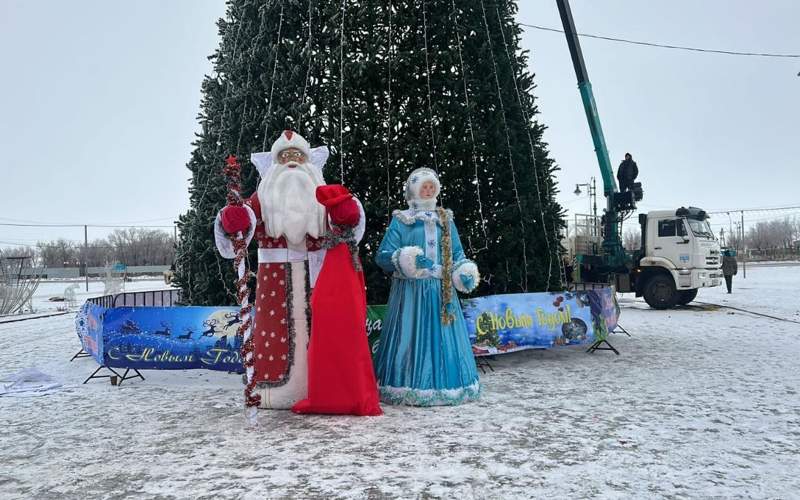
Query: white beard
[289, 204]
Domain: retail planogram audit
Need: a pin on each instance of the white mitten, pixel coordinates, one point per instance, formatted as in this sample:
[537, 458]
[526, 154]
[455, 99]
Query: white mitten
[466, 277]
[224, 244]
[405, 261]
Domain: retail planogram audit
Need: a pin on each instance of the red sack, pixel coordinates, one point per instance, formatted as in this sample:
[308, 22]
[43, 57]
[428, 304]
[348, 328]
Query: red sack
[341, 379]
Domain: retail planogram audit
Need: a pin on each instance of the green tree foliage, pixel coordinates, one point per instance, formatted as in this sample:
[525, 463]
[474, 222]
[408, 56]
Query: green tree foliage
[390, 86]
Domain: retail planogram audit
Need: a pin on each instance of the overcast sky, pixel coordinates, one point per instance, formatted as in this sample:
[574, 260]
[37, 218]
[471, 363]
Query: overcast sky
[98, 105]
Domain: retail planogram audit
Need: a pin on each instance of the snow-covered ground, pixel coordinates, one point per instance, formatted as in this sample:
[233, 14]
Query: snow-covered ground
[702, 402]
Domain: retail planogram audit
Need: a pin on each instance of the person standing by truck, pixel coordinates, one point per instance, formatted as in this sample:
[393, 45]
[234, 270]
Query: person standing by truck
[729, 267]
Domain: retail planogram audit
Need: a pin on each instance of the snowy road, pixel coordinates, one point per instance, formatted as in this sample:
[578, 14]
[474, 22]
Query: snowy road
[701, 403]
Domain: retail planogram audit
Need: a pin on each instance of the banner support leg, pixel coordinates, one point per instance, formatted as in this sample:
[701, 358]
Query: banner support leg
[95, 375]
[81, 354]
[126, 377]
[598, 346]
[483, 363]
[619, 327]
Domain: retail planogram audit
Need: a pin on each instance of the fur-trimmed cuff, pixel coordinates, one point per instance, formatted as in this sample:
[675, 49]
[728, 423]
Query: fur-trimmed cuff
[362, 222]
[224, 244]
[405, 261]
[470, 269]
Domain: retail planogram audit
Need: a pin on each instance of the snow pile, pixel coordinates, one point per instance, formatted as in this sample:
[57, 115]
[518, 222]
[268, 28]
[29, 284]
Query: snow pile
[28, 382]
[703, 402]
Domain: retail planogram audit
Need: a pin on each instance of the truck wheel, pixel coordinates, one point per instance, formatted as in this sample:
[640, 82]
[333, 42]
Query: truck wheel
[660, 293]
[686, 296]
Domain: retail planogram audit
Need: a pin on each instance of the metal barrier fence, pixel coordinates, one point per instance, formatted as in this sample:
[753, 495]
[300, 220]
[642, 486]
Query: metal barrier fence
[150, 298]
[75, 272]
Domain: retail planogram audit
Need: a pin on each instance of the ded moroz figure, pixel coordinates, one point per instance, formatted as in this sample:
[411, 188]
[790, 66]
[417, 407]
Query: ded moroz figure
[289, 224]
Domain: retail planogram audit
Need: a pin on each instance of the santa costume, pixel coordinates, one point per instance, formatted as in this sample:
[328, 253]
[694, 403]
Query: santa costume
[289, 224]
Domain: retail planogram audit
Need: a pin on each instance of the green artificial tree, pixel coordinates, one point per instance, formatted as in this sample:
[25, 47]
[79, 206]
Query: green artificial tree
[389, 86]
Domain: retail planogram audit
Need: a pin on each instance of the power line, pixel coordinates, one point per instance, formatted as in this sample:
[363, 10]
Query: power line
[75, 225]
[15, 244]
[766, 209]
[667, 46]
[114, 224]
[78, 245]
[749, 222]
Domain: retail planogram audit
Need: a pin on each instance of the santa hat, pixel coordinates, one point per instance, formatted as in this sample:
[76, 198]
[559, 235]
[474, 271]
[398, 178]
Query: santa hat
[289, 139]
[415, 181]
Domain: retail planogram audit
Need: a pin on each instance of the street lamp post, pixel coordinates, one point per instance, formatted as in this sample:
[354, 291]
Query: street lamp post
[591, 186]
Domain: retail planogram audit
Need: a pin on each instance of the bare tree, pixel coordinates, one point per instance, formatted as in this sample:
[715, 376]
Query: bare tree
[133, 246]
[632, 239]
[776, 238]
[139, 247]
[58, 253]
[97, 254]
[23, 251]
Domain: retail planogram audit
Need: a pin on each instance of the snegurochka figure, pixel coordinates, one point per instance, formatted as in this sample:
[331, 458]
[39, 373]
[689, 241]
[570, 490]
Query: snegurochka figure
[424, 357]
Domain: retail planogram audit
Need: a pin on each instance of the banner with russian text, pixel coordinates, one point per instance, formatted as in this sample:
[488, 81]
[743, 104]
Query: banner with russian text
[180, 338]
[162, 338]
[513, 322]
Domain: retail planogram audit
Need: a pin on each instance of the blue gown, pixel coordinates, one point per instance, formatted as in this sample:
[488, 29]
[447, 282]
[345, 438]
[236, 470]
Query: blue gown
[421, 361]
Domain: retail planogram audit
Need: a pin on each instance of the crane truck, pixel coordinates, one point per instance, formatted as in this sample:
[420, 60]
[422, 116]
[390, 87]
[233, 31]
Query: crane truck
[678, 253]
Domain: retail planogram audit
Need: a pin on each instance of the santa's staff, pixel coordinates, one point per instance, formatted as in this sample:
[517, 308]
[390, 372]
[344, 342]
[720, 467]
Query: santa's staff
[232, 173]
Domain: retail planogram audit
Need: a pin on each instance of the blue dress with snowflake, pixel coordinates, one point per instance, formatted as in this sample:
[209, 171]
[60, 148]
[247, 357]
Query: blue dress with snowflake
[421, 361]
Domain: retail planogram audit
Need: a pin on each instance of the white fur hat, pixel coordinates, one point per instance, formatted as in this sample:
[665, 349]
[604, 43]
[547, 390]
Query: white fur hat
[419, 177]
[289, 139]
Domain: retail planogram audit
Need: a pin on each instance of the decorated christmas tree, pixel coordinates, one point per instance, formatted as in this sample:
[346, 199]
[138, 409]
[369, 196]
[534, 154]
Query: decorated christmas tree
[389, 86]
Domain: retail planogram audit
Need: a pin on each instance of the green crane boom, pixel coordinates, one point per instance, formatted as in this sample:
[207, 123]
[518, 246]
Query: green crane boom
[613, 251]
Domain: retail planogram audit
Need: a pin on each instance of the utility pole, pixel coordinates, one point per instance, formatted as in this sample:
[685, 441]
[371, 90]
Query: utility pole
[594, 196]
[744, 250]
[730, 227]
[86, 254]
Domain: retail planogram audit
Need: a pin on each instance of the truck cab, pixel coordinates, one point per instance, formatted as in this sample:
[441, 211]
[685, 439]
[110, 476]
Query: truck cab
[679, 254]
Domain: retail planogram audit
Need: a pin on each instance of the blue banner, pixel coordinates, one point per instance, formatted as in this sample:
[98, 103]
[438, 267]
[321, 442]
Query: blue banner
[89, 325]
[162, 338]
[180, 338]
[506, 323]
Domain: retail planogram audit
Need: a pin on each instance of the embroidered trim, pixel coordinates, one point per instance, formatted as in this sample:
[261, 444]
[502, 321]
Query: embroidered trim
[447, 268]
[343, 234]
[429, 397]
[308, 306]
[410, 216]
